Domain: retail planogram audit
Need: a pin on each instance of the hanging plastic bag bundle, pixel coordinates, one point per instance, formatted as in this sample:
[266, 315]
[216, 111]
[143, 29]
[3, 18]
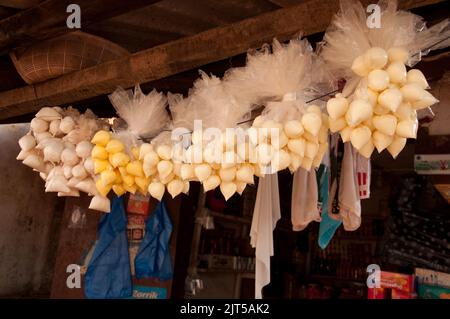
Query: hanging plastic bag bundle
[145, 115]
[378, 106]
[282, 80]
[58, 147]
[211, 154]
[161, 161]
[116, 155]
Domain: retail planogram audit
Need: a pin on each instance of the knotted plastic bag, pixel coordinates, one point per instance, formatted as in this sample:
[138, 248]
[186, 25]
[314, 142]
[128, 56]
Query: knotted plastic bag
[145, 115]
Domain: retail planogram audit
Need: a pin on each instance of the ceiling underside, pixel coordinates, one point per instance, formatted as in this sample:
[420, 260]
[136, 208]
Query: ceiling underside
[225, 28]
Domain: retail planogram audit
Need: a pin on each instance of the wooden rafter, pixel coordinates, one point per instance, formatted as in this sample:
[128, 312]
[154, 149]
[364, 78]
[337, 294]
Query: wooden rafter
[19, 4]
[176, 56]
[48, 19]
[285, 3]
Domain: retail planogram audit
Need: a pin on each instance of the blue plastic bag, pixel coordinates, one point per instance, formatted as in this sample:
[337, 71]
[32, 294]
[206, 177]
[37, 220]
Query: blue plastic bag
[108, 274]
[328, 225]
[327, 178]
[153, 257]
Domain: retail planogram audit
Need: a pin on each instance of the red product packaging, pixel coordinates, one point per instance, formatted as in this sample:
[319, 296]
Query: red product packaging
[138, 204]
[376, 293]
[399, 294]
[135, 227]
[401, 282]
[393, 286]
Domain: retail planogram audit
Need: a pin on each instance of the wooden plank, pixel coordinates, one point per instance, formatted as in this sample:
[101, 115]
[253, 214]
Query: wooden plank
[176, 56]
[19, 4]
[185, 232]
[9, 78]
[6, 12]
[73, 244]
[48, 19]
[285, 3]
[171, 20]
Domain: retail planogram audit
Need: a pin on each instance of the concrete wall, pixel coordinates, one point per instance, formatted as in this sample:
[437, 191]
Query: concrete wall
[29, 222]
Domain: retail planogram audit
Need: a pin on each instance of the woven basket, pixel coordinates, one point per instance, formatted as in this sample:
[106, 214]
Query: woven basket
[68, 53]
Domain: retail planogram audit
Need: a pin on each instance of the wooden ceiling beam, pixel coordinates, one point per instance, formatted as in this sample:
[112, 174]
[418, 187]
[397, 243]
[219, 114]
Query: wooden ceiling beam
[176, 56]
[285, 3]
[19, 4]
[48, 19]
[6, 12]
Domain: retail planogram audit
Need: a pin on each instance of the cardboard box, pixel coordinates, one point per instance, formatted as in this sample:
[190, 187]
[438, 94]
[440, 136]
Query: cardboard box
[393, 286]
[432, 278]
[433, 292]
[376, 293]
[402, 282]
[432, 164]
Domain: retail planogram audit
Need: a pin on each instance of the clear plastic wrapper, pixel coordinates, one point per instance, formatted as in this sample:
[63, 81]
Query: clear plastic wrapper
[145, 115]
[379, 103]
[282, 77]
[209, 102]
[349, 37]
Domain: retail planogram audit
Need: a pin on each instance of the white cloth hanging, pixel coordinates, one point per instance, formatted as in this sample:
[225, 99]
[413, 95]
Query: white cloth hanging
[304, 199]
[349, 201]
[265, 217]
